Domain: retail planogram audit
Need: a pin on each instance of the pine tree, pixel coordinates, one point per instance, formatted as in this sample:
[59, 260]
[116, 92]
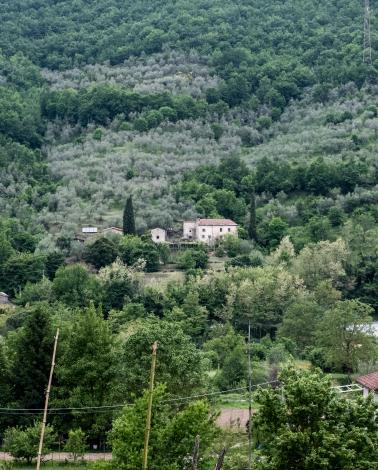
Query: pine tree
[252, 232]
[31, 359]
[86, 370]
[5, 387]
[128, 218]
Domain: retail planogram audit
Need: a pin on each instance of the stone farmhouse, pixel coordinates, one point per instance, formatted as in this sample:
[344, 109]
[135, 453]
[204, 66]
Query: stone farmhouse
[209, 230]
[200, 230]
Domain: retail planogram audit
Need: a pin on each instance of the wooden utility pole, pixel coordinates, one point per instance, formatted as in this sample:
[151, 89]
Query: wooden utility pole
[196, 453]
[40, 448]
[249, 399]
[220, 462]
[149, 409]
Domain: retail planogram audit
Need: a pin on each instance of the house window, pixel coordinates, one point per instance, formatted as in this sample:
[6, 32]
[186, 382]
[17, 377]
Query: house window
[190, 230]
[203, 230]
[221, 229]
[203, 236]
[229, 230]
[157, 237]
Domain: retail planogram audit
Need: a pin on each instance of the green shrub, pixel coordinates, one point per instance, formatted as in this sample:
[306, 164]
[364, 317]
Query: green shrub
[22, 443]
[75, 444]
[102, 465]
[101, 253]
[193, 259]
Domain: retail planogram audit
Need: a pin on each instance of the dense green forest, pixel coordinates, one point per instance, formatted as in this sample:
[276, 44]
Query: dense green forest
[144, 114]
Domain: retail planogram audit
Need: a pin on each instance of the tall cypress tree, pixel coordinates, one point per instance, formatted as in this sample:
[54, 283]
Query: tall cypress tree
[128, 218]
[252, 231]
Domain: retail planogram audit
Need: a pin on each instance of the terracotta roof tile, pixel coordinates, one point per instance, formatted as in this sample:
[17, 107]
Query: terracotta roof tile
[369, 381]
[216, 222]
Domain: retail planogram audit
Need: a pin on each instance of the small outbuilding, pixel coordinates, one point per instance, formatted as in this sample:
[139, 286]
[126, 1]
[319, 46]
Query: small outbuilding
[369, 383]
[113, 230]
[159, 235]
[4, 298]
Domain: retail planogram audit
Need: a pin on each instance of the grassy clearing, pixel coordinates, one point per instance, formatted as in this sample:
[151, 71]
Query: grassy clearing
[161, 279]
[302, 364]
[216, 264]
[234, 400]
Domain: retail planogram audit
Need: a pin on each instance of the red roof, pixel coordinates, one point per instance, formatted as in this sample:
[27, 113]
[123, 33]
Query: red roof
[113, 229]
[369, 381]
[215, 222]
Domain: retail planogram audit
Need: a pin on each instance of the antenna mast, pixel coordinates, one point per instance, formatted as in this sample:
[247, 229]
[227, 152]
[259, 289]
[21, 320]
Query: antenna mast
[367, 35]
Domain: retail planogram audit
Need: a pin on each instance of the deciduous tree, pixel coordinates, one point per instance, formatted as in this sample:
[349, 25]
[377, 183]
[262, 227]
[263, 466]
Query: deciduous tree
[304, 424]
[346, 335]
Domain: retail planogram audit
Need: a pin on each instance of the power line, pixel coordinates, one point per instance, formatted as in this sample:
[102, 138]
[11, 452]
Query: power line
[73, 408]
[108, 408]
[111, 408]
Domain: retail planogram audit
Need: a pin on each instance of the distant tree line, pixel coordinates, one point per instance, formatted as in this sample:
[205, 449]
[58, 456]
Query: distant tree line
[102, 103]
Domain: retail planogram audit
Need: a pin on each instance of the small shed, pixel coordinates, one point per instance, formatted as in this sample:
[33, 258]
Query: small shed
[4, 298]
[113, 230]
[369, 383]
[159, 235]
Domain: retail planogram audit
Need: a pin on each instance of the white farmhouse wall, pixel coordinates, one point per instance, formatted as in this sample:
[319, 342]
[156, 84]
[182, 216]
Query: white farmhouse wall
[158, 235]
[4, 299]
[189, 230]
[211, 233]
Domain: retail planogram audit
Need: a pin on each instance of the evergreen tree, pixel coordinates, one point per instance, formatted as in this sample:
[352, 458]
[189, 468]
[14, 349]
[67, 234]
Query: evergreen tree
[86, 371]
[252, 232]
[31, 350]
[128, 218]
[4, 381]
[5, 390]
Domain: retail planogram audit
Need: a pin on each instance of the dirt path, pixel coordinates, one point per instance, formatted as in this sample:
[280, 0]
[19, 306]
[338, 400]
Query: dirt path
[62, 456]
[236, 418]
[233, 418]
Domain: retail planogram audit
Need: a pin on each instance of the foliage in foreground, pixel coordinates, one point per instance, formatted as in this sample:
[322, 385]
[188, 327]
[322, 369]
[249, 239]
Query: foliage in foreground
[307, 425]
[172, 437]
[22, 443]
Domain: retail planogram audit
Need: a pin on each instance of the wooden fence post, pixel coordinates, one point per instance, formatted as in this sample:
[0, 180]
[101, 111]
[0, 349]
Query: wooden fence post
[195, 457]
[220, 461]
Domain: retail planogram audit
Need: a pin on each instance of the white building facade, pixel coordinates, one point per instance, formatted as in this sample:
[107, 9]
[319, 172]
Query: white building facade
[159, 235]
[209, 230]
[4, 298]
[189, 230]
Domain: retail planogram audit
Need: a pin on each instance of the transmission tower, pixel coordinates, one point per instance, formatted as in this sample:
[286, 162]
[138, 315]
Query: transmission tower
[367, 35]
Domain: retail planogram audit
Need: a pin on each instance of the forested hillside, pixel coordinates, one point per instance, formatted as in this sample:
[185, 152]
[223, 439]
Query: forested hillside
[142, 114]
[234, 66]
